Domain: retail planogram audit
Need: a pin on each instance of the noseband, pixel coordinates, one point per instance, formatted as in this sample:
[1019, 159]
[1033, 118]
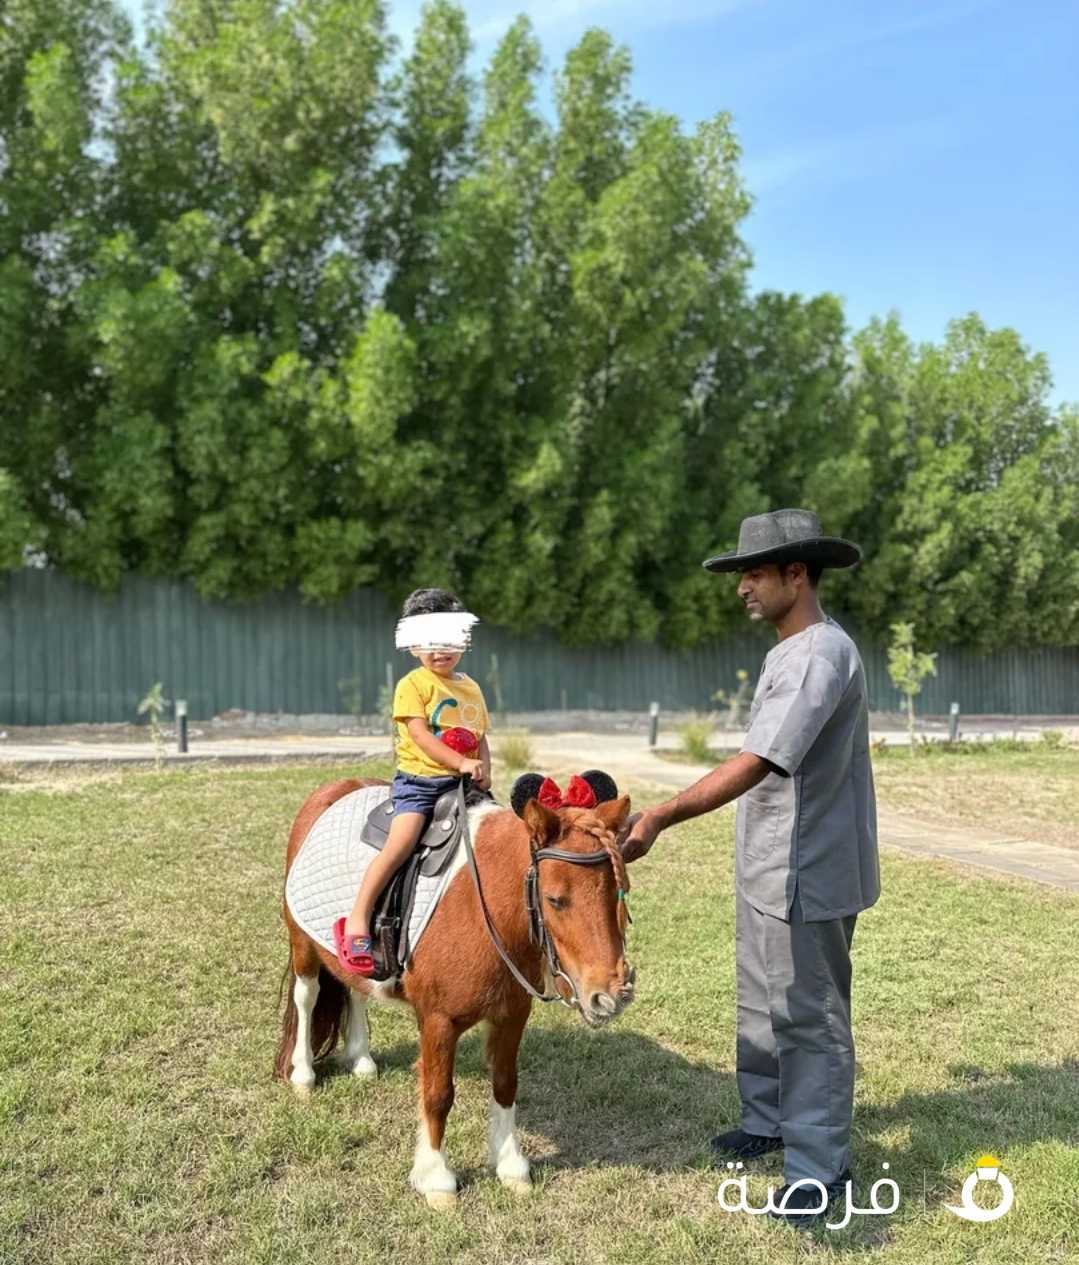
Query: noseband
[537, 928]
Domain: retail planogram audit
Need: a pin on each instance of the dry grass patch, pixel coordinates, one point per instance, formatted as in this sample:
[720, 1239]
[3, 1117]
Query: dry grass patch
[1028, 793]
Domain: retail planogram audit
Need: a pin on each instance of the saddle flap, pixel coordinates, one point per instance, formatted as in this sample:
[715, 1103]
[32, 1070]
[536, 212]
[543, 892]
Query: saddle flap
[377, 826]
[443, 828]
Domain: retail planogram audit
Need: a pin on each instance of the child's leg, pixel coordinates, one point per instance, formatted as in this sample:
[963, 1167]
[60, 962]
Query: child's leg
[405, 829]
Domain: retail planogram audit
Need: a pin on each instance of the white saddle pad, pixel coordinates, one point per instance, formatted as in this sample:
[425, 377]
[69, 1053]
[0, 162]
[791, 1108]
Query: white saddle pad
[329, 867]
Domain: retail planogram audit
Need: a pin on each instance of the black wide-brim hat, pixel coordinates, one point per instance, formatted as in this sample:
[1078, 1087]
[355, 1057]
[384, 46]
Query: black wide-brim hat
[785, 536]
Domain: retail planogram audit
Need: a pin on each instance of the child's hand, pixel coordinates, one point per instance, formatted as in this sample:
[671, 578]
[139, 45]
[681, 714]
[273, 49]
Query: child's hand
[471, 768]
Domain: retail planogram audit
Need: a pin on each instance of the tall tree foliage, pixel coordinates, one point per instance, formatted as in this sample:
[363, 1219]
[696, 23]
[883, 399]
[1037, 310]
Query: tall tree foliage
[224, 309]
[283, 307]
[769, 427]
[969, 512]
[55, 59]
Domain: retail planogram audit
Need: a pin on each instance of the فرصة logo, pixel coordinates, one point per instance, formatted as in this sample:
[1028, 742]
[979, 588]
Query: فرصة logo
[876, 1207]
[988, 1170]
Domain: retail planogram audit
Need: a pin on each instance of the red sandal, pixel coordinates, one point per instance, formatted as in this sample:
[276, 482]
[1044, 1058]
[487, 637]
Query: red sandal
[353, 952]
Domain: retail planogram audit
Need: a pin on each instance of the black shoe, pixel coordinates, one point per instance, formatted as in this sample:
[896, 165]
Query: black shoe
[803, 1210]
[739, 1145]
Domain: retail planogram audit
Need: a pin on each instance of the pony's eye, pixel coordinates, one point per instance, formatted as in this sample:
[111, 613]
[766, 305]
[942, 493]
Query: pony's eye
[557, 902]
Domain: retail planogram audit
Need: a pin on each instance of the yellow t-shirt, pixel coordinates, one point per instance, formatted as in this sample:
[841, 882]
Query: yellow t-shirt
[445, 703]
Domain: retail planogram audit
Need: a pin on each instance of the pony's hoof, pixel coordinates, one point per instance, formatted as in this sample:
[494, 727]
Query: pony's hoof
[441, 1200]
[519, 1186]
[302, 1091]
[365, 1068]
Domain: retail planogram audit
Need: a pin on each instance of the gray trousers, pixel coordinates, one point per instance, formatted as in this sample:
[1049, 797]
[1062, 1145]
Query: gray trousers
[795, 1049]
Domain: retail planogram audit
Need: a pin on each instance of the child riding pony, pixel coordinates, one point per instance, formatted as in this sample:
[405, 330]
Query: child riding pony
[540, 914]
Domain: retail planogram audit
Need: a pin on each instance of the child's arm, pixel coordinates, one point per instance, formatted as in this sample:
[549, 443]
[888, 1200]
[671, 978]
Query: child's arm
[422, 736]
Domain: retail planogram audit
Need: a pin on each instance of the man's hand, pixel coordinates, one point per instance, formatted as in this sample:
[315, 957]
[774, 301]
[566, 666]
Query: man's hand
[637, 836]
[732, 778]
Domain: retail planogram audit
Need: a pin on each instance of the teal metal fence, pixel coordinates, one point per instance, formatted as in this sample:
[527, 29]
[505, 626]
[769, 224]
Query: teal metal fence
[70, 653]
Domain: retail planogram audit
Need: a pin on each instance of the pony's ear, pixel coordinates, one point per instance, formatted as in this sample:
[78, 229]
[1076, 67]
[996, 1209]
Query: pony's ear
[613, 812]
[602, 784]
[525, 788]
[543, 825]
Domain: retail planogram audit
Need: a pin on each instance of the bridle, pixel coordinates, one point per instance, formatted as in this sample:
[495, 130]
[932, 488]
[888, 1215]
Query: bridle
[537, 927]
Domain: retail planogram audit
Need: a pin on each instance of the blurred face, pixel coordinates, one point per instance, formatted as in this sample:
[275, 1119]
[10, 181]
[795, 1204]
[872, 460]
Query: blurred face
[441, 661]
[769, 592]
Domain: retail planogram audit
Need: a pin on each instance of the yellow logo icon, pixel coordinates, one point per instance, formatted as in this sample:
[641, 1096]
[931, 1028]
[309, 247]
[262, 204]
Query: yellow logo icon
[987, 1169]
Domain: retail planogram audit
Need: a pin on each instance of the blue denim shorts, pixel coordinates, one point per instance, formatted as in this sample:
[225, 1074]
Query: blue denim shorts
[414, 794]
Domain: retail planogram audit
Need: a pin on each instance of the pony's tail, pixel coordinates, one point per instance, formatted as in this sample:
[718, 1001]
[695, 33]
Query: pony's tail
[330, 1016]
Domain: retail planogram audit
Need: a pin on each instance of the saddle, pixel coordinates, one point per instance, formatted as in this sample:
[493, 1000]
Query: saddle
[434, 850]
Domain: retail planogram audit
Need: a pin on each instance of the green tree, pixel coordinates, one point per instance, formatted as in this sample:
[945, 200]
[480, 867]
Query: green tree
[908, 668]
[55, 58]
[480, 342]
[276, 313]
[432, 131]
[770, 426]
[653, 266]
[237, 281]
[964, 520]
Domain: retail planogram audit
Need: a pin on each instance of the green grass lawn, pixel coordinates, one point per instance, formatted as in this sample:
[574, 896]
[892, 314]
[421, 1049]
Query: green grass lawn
[142, 951]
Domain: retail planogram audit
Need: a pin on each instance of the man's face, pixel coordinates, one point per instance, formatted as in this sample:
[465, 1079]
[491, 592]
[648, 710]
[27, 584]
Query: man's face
[768, 592]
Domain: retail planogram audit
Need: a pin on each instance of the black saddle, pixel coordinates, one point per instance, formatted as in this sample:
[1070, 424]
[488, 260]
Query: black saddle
[434, 850]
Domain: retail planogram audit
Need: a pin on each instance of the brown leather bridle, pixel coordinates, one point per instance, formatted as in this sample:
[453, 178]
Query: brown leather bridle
[537, 927]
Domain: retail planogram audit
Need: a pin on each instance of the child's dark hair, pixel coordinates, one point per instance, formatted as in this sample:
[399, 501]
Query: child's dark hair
[430, 602]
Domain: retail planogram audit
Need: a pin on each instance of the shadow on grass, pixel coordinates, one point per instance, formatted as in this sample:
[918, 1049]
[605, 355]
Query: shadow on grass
[1016, 1107]
[597, 1098]
[617, 1098]
[1023, 1104]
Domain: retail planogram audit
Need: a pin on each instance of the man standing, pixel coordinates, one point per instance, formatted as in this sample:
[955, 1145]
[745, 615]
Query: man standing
[805, 860]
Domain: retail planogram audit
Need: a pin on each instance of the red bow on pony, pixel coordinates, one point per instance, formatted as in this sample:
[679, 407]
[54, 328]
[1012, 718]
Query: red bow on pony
[579, 794]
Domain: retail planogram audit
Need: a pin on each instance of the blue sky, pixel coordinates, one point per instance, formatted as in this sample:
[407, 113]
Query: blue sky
[917, 156]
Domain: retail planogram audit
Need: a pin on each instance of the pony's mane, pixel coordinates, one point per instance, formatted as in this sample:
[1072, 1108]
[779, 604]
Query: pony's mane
[586, 821]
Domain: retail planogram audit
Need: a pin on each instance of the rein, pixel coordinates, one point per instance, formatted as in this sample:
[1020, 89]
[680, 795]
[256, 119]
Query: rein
[537, 928]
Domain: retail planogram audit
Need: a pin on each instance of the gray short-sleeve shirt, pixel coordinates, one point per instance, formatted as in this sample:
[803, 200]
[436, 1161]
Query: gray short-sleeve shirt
[812, 826]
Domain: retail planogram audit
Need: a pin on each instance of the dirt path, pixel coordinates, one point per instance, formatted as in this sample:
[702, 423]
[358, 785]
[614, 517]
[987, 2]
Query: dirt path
[624, 756]
[627, 757]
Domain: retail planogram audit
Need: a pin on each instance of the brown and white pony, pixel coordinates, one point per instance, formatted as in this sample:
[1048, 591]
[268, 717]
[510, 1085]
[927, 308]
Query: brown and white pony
[457, 978]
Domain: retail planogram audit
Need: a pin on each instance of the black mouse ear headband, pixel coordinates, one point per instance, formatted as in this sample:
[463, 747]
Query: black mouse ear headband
[585, 790]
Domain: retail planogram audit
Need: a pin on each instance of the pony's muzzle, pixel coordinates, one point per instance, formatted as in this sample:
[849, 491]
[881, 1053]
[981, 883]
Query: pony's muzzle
[600, 1008]
[603, 1006]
